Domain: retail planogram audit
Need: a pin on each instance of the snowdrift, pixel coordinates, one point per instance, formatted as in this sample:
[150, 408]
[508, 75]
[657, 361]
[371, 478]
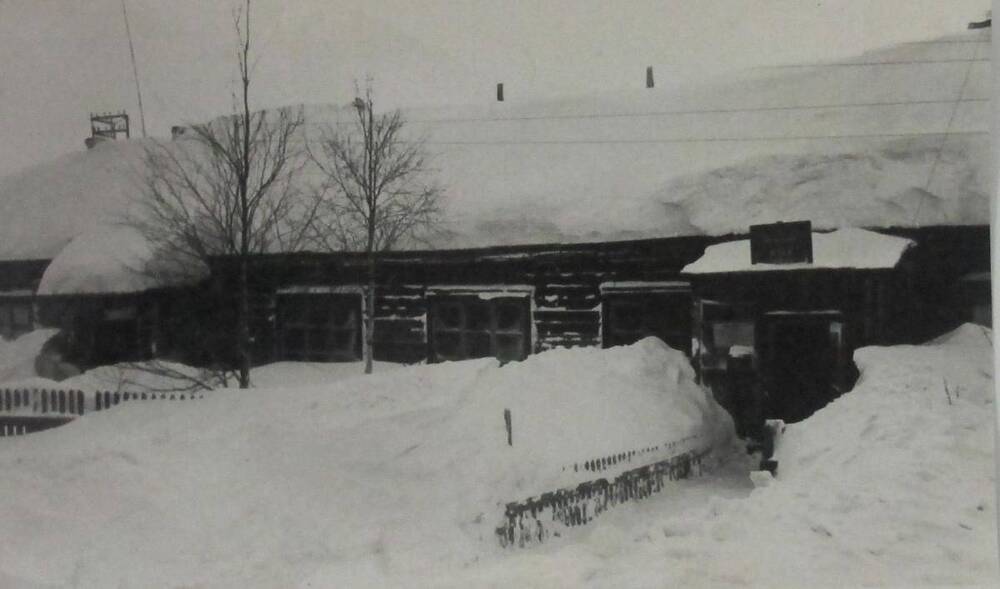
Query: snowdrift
[891, 485]
[369, 480]
[17, 357]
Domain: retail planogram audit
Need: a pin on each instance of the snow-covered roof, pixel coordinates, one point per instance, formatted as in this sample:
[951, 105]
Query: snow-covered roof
[897, 136]
[840, 249]
[113, 260]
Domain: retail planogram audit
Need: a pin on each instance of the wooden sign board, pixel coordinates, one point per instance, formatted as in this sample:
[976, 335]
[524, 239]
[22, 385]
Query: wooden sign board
[781, 243]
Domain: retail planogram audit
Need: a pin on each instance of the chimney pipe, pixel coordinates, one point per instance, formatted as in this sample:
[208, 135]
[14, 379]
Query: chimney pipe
[649, 76]
[500, 92]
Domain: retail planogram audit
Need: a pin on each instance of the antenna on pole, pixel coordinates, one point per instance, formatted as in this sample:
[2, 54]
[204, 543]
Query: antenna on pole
[135, 70]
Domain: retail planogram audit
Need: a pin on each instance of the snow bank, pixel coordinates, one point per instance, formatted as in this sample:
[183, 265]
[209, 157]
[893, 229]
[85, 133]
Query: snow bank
[297, 374]
[163, 375]
[843, 248]
[367, 481]
[17, 357]
[890, 485]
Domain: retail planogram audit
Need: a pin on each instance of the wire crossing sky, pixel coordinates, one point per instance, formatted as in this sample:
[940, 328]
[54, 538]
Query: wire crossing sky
[67, 58]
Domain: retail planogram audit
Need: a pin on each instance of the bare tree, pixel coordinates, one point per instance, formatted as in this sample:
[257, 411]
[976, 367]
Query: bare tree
[226, 188]
[376, 194]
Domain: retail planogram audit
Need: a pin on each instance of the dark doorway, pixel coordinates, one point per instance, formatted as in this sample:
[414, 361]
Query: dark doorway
[116, 341]
[801, 365]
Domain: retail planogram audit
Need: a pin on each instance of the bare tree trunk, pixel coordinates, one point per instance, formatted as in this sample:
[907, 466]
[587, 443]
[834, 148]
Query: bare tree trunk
[243, 325]
[372, 224]
[370, 319]
[378, 194]
[244, 177]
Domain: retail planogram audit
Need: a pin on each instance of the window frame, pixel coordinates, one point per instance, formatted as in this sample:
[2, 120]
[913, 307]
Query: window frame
[318, 338]
[492, 332]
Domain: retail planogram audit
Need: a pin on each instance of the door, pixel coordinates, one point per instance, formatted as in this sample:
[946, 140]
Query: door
[801, 365]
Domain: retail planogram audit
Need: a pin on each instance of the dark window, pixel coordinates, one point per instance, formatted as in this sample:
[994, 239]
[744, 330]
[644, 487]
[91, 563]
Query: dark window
[629, 317]
[319, 327]
[463, 327]
[15, 318]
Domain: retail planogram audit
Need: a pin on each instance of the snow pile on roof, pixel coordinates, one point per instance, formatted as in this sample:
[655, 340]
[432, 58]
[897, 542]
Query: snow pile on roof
[906, 183]
[17, 357]
[114, 259]
[370, 481]
[895, 137]
[43, 207]
[844, 248]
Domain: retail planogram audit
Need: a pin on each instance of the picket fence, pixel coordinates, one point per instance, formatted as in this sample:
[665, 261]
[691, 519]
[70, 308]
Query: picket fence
[28, 410]
[537, 518]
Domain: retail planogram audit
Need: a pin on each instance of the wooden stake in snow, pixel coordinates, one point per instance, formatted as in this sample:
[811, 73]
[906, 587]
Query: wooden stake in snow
[500, 92]
[506, 419]
[649, 76]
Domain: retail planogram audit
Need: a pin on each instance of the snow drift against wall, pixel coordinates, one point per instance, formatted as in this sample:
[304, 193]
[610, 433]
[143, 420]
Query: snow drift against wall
[891, 485]
[17, 357]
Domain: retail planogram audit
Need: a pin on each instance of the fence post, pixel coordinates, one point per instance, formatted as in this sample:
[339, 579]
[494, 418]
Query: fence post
[507, 420]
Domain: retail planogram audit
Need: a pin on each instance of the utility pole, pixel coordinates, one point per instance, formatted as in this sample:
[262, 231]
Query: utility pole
[135, 70]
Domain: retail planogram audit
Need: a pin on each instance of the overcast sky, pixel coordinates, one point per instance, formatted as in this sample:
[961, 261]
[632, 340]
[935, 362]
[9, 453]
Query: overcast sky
[63, 59]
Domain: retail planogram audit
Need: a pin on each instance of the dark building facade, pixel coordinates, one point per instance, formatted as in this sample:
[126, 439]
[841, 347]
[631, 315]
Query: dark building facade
[776, 340]
[751, 334]
[506, 302]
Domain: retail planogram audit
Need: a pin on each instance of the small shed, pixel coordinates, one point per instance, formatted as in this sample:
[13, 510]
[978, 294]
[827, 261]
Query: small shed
[776, 317]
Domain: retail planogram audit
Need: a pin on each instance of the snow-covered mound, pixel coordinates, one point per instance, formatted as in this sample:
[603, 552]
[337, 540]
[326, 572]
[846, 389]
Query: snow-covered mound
[366, 482]
[166, 376]
[899, 473]
[912, 182]
[44, 207]
[17, 357]
[898, 136]
[116, 259]
[891, 485]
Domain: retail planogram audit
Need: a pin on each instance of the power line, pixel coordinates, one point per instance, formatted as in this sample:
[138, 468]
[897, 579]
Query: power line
[947, 41]
[944, 138]
[750, 139]
[871, 63]
[667, 113]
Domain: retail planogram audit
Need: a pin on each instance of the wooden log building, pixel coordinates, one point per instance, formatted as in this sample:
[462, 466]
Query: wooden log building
[743, 324]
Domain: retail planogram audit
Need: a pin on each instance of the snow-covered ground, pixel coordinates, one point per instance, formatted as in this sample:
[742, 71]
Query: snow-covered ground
[18, 370]
[365, 481]
[892, 485]
[398, 479]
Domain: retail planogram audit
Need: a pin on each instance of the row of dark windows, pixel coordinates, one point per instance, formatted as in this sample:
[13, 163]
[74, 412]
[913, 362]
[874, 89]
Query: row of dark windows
[328, 327]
